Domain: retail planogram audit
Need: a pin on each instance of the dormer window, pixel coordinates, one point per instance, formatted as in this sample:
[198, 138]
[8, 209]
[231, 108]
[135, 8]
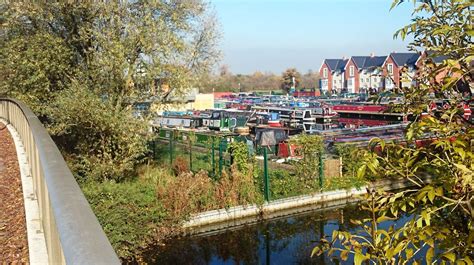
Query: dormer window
[325, 73]
[390, 68]
[351, 70]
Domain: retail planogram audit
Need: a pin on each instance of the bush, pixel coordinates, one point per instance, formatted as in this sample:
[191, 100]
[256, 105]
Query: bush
[237, 188]
[105, 142]
[185, 194]
[180, 166]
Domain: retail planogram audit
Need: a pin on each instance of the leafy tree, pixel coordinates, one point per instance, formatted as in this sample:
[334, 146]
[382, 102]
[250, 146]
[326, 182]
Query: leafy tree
[290, 78]
[69, 59]
[310, 79]
[438, 158]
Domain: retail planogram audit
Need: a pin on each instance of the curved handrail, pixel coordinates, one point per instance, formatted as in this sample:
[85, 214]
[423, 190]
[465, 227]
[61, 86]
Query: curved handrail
[73, 234]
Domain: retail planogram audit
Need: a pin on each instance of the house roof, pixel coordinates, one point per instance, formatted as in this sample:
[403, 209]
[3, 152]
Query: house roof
[367, 62]
[408, 58]
[359, 61]
[341, 64]
[335, 64]
[373, 62]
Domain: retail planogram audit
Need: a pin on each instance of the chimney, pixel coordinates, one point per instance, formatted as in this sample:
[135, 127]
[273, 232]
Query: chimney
[372, 54]
[343, 57]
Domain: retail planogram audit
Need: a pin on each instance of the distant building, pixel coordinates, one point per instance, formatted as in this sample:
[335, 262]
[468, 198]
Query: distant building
[372, 73]
[399, 70]
[363, 72]
[332, 74]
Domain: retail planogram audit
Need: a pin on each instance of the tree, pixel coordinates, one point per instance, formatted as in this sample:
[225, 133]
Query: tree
[440, 203]
[290, 79]
[111, 54]
[310, 79]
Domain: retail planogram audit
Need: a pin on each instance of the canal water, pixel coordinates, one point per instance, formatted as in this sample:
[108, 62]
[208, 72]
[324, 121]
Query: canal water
[287, 240]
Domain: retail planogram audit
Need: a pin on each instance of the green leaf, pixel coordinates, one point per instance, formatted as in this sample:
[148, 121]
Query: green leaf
[316, 251]
[358, 258]
[450, 256]
[431, 195]
[429, 255]
[394, 4]
[361, 171]
[385, 218]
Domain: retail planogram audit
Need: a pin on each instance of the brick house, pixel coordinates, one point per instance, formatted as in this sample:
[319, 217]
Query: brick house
[363, 72]
[332, 74]
[399, 70]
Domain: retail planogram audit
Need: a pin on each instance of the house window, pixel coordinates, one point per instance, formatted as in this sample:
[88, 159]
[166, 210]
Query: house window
[367, 80]
[325, 73]
[390, 68]
[324, 83]
[351, 70]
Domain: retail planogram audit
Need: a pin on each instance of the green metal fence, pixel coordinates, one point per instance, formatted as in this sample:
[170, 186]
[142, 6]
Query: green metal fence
[275, 177]
[199, 151]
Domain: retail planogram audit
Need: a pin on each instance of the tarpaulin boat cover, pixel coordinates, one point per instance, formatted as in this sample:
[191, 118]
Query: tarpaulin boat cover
[267, 137]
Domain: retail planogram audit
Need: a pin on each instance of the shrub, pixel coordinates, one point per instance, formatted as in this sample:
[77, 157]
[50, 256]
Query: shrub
[185, 194]
[180, 166]
[237, 188]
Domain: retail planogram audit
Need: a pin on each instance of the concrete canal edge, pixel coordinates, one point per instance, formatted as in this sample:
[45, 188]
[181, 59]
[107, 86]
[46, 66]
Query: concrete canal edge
[239, 215]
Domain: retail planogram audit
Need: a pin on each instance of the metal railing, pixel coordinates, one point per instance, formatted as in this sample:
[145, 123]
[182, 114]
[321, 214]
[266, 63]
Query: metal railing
[73, 234]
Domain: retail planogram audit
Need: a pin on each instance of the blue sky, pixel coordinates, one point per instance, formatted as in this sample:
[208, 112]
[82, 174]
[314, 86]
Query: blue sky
[272, 35]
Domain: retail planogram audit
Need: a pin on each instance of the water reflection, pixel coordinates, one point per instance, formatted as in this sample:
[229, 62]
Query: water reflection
[287, 240]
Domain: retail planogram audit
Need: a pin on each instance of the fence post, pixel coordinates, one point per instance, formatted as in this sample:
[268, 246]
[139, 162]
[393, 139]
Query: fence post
[153, 146]
[265, 175]
[221, 156]
[171, 147]
[213, 157]
[321, 170]
[190, 153]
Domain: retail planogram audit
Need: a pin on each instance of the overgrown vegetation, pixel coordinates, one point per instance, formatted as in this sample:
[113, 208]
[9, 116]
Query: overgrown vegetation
[310, 148]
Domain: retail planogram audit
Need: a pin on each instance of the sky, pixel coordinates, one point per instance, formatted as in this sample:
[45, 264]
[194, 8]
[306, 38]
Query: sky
[273, 35]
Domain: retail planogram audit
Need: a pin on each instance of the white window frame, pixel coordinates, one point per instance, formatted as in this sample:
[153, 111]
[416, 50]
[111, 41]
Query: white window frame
[351, 70]
[390, 68]
[325, 72]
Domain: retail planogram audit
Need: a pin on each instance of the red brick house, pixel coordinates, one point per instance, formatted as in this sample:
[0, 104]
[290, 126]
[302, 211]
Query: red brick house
[399, 70]
[332, 74]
